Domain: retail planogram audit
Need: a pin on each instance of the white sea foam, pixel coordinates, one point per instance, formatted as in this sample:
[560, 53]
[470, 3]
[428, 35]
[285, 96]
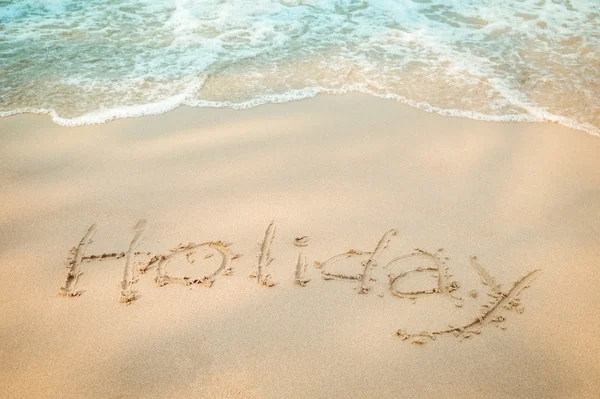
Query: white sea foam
[92, 61]
[157, 108]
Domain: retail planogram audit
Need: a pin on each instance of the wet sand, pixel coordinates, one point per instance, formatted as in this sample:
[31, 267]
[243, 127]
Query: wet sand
[342, 246]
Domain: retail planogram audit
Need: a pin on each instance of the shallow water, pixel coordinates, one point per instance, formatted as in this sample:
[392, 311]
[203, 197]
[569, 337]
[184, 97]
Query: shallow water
[89, 61]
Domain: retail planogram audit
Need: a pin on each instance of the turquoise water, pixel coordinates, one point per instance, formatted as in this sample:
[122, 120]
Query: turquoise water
[89, 61]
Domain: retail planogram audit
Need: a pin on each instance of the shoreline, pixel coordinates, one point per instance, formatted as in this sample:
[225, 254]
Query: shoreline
[172, 104]
[169, 218]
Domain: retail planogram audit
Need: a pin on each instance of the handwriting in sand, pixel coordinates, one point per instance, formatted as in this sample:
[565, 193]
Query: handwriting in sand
[491, 312]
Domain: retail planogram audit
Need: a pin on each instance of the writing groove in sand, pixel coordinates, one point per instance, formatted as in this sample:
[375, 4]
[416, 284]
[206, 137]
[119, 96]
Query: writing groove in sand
[265, 259]
[435, 266]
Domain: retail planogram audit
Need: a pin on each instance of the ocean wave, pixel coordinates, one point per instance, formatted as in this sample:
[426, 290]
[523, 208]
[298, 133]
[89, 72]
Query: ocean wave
[92, 61]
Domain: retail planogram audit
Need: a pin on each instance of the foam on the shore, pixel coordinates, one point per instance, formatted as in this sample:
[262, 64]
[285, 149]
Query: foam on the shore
[103, 116]
[91, 62]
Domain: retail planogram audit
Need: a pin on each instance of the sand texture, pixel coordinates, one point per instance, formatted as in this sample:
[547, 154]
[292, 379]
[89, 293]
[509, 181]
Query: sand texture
[342, 246]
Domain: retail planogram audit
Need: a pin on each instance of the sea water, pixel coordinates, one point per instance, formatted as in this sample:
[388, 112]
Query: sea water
[90, 61]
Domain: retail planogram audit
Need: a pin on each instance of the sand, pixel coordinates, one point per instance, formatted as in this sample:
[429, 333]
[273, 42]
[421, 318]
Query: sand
[342, 246]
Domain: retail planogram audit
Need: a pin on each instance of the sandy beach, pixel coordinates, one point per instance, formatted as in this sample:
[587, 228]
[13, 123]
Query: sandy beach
[398, 262]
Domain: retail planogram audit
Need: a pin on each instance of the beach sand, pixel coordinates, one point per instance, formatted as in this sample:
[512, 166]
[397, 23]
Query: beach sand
[340, 170]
